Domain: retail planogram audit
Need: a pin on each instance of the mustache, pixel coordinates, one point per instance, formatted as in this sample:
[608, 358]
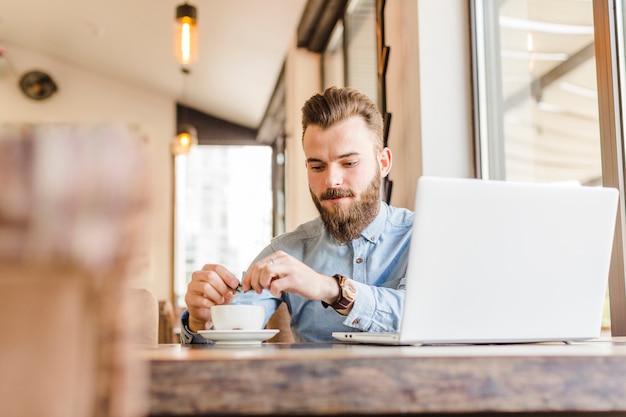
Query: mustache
[333, 193]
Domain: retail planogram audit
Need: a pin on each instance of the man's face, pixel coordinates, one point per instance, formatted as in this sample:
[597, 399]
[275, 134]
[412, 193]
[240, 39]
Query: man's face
[344, 173]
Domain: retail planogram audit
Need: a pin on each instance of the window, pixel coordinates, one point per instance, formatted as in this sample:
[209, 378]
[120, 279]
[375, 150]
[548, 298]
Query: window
[361, 47]
[333, 72]
[223, 209]
[350, 57]
[536, 93]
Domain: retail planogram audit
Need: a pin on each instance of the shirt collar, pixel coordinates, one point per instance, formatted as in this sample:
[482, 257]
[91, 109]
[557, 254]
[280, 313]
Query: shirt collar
[373, 230]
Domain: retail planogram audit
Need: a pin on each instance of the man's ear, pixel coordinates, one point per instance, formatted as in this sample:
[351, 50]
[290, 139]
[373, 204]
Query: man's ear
[384, 160]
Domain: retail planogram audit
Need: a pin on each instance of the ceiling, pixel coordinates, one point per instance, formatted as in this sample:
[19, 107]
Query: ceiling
[548, 87]
[243, 44]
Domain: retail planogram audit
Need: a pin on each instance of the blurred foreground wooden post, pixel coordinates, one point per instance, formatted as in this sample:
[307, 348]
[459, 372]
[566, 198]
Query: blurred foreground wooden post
[72, 216]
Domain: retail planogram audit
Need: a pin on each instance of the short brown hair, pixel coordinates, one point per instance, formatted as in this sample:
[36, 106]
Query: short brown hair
[337, 104]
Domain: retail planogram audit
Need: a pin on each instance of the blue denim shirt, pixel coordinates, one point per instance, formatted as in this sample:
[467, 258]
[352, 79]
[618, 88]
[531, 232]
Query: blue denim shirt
[376, 262]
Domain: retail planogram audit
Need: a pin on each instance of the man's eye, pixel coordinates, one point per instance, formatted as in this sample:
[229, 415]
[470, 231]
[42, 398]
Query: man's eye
[350, 163]
[316, 167]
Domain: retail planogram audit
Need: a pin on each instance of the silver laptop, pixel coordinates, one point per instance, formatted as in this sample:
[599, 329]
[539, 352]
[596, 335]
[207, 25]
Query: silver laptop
[504, 262]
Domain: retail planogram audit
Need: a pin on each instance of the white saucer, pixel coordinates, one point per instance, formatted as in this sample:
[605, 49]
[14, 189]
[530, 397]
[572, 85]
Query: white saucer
[238, 337]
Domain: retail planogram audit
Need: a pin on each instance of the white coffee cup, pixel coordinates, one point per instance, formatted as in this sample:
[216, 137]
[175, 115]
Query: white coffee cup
[238, 317]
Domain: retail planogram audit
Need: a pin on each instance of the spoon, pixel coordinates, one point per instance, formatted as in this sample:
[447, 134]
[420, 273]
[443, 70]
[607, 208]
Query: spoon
[239, 287]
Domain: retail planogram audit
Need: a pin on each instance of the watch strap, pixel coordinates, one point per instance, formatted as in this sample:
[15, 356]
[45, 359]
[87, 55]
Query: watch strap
[187, 336]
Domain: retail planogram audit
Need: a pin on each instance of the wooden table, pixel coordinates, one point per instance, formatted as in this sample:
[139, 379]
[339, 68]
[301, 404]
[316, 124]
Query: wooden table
[340, 379]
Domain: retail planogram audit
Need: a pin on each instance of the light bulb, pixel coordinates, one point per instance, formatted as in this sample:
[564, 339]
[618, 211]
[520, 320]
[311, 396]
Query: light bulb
[186, 34]
[186, 139]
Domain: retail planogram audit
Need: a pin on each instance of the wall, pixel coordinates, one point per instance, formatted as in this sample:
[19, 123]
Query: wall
[85, 97]
[303, 79]
[445, 87]
[429, 92]
[403, 101]
[428, 95]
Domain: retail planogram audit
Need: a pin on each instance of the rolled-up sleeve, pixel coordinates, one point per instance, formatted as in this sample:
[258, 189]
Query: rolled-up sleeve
[376, 309]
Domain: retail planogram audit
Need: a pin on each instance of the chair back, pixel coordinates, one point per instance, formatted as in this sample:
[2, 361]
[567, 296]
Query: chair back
[72, 217]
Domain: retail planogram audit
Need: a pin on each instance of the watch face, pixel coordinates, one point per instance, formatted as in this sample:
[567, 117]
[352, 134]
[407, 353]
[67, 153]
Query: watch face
[349, 289]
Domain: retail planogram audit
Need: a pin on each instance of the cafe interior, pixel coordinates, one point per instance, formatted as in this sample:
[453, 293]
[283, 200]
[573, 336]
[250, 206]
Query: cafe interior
[129, 161]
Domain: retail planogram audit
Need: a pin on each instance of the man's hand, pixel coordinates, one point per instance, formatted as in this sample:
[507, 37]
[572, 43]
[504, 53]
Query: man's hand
[213, 284]
[282, 272]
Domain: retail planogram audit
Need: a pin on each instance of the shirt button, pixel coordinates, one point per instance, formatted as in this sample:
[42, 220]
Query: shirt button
[359, 260]
[355, 322]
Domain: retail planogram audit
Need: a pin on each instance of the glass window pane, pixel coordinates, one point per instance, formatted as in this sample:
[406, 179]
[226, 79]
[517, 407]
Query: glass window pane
[542, 117]
[362, 47]
[536, 92]
[333, 60]
[223, 212]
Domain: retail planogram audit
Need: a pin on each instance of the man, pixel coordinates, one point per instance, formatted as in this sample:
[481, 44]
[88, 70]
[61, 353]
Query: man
[344, 270]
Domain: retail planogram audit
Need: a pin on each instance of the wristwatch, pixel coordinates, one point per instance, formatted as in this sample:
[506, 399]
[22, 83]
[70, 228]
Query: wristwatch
[347, 295]
[186, 335]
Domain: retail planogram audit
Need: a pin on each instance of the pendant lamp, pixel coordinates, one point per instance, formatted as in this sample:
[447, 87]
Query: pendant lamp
[186, 34]
[186, 139]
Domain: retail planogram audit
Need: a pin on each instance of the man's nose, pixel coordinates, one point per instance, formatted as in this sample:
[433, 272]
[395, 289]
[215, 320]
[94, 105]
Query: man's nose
[334, 177]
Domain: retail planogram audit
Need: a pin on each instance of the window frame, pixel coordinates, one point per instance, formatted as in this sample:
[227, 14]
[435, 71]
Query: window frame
[609, 50]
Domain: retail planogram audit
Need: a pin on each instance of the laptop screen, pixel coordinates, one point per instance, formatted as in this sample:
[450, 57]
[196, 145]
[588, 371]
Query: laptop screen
[494, 261]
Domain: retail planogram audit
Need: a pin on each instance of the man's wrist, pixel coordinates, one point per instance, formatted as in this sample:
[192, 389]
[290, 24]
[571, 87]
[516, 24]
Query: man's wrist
[335, 293]
[188, 336]
[195, 325]
[347, 295]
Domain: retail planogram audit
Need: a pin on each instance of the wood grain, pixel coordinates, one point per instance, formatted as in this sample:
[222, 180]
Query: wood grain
[338, 379]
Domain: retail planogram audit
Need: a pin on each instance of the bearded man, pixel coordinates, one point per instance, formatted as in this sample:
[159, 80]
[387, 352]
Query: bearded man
[343, 271]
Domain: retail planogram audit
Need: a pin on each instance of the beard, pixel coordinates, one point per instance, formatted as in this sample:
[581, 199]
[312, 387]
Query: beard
[347, 223]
